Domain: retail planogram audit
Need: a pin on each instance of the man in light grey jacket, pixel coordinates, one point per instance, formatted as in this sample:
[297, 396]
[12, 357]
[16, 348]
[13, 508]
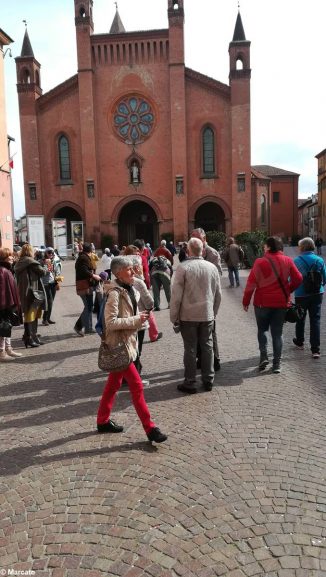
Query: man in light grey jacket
[195, 300]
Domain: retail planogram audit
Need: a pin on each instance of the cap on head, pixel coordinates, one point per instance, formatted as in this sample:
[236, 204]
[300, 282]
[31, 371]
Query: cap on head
[49, 249]
[104, 275]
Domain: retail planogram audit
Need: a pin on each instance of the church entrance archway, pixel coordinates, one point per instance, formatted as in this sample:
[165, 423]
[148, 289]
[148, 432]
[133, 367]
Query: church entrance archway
[210, 216]
[137, 219]
[71, 215]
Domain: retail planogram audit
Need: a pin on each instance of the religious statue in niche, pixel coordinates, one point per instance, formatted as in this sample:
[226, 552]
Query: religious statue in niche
[134, 172]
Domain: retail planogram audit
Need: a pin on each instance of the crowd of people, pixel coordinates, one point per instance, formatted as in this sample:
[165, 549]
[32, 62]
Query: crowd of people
[126, 294]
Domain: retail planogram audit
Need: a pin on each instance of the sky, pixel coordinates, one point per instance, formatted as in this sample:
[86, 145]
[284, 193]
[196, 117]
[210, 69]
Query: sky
[288, 124]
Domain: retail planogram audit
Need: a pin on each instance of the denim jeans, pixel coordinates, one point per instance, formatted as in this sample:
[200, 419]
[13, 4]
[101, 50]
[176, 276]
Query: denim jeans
[312, 305]
[273, 319]
[233, 272]
[50, 290]
[86, 317]
[201, 333]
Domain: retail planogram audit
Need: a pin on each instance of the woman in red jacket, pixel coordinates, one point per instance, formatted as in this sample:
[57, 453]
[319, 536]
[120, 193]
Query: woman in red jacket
[269, 299]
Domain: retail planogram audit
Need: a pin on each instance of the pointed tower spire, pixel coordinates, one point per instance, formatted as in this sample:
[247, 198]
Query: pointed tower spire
[117, 27]
[239, 35]
[27, 49]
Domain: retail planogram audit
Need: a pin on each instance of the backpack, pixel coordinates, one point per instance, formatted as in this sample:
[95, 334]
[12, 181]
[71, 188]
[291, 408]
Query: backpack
[312, 280]
[160, 263]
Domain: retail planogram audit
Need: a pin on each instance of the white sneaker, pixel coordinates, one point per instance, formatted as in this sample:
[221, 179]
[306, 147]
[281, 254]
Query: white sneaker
[145, 382]
[11, 353]
[4, 357]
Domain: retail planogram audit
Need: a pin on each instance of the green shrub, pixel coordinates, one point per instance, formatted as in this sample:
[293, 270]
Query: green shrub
[252, 244]
[216, 239]
[107, 241]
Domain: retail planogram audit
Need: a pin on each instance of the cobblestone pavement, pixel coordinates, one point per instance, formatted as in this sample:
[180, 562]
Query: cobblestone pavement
[238, 489]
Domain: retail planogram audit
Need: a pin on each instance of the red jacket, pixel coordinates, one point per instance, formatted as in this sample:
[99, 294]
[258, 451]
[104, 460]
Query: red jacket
[263, 282]
[162, 251]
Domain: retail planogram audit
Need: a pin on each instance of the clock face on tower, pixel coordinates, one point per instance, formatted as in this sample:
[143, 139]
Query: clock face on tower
[133, 119]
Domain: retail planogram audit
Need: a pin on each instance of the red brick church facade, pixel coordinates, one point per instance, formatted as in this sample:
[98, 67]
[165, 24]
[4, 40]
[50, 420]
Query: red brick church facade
[136, 144]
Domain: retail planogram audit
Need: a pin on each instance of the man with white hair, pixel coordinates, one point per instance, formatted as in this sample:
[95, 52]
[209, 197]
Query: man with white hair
[195, 300]
[211, 255]
[163, 251]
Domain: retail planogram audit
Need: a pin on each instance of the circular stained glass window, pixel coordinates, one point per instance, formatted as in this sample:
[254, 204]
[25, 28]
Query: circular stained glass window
[133, 119]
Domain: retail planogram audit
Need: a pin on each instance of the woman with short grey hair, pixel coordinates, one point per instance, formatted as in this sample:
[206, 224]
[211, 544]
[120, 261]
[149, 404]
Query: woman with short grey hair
[122, 321]
[309, 295]
[306, 244]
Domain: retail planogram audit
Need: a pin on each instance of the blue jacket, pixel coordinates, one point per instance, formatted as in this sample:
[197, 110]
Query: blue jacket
[310, 258]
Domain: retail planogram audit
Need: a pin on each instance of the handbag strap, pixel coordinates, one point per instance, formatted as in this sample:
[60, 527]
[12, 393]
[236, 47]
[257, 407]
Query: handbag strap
[278, 278]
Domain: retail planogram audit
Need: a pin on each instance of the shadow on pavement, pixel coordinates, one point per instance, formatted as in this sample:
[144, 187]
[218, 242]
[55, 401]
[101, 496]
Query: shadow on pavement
[17, 459]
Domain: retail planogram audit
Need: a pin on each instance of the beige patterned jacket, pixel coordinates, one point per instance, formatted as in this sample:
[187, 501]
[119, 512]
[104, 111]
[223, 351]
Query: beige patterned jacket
[121, 325]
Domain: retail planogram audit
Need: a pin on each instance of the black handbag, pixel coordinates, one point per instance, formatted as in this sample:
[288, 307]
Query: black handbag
[294, 312]
[5, 328]
[35, 297]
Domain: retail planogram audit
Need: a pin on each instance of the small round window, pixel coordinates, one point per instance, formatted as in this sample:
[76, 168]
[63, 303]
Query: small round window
[133, 119]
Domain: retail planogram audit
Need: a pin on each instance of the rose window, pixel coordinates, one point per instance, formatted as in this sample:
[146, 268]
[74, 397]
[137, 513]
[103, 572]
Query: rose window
[133, 119]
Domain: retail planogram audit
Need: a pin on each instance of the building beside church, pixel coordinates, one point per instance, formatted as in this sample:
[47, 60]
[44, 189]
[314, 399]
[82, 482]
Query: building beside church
[136, 144]
[276, 193]
[321, 159]
[6, 200]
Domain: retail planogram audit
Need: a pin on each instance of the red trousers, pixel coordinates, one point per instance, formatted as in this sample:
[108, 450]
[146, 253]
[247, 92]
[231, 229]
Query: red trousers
[135, 385]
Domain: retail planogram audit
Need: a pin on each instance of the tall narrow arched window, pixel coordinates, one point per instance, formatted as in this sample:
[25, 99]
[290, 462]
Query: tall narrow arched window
[208, 151]
[64, 158]
[263, 209]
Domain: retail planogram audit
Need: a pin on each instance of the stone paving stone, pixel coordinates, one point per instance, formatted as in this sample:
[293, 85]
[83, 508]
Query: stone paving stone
[237, 490]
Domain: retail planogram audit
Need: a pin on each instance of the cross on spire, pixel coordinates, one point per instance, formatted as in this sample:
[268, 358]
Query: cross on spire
[25, 22]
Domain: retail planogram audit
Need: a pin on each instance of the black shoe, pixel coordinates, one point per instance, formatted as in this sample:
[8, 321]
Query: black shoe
[51, 322]
[109, 427]
[90, 332]
[156, 435]
[37, 339]
[159, 336]
[79, 332]
[297, 344]
[157, 309]
[198, 364]
[276, 368]
[186, 389]
[207, 386]
[263, 363]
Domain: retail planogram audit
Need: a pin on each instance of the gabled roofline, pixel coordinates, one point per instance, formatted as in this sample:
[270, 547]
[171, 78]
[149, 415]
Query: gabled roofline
[208, 82]
[321, 153]
[64, 87]
[4, 38]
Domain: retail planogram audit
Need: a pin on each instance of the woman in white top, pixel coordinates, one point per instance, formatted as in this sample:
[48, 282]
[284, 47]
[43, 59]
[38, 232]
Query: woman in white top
[106, 262]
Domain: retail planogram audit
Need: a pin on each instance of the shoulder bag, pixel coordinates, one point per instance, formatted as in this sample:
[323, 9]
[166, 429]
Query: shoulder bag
[35, 297]
[113, 359]
[294, 312]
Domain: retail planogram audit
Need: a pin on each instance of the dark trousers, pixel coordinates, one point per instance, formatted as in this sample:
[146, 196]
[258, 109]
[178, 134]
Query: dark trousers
[273, 319]
[50, 290]
[201, 333]
[85, 319]
[312, 305]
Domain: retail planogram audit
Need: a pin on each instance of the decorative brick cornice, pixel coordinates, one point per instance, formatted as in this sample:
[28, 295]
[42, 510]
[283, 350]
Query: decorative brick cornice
[83, 20]
[210, 83]
[240, 74]
[23, 88]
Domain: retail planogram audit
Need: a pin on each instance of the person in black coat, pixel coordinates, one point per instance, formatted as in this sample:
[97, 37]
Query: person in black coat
[85, 278]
